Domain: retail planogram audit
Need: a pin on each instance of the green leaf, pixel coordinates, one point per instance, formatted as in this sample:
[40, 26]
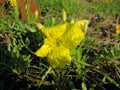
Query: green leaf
[84, 86]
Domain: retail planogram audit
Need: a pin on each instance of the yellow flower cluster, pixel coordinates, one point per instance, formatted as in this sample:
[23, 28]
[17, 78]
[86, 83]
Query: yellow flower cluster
[60, 39]
[13, 3]
[118, 29]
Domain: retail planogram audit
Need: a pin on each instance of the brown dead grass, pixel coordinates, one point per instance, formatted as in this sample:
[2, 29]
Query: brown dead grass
[21, 7]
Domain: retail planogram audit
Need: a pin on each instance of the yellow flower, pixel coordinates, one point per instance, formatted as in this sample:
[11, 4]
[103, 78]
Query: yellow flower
[118, 29]
[107, 1]
[60, 39]
[13, 3]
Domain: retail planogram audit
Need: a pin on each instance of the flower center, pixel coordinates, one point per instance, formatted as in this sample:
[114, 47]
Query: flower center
[57, 42]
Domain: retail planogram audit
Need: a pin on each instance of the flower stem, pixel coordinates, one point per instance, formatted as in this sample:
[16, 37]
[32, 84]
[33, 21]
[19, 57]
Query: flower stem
[44, 76]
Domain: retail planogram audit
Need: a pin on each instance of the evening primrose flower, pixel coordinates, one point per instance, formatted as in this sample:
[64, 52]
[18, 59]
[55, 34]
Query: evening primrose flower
[13, 3]
[60, 39]
[118, 29]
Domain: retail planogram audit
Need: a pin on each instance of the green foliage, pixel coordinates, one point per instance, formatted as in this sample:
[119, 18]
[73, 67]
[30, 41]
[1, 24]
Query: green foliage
[103, 7]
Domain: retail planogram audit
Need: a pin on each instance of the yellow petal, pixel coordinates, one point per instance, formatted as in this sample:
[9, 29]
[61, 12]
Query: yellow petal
[83, 24]
[55, 31]
[59, 56]
[40, 26]
[44, 50]
[73, 36]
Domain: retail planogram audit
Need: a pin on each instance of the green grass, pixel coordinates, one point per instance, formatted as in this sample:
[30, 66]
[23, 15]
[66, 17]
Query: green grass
[95, 63]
